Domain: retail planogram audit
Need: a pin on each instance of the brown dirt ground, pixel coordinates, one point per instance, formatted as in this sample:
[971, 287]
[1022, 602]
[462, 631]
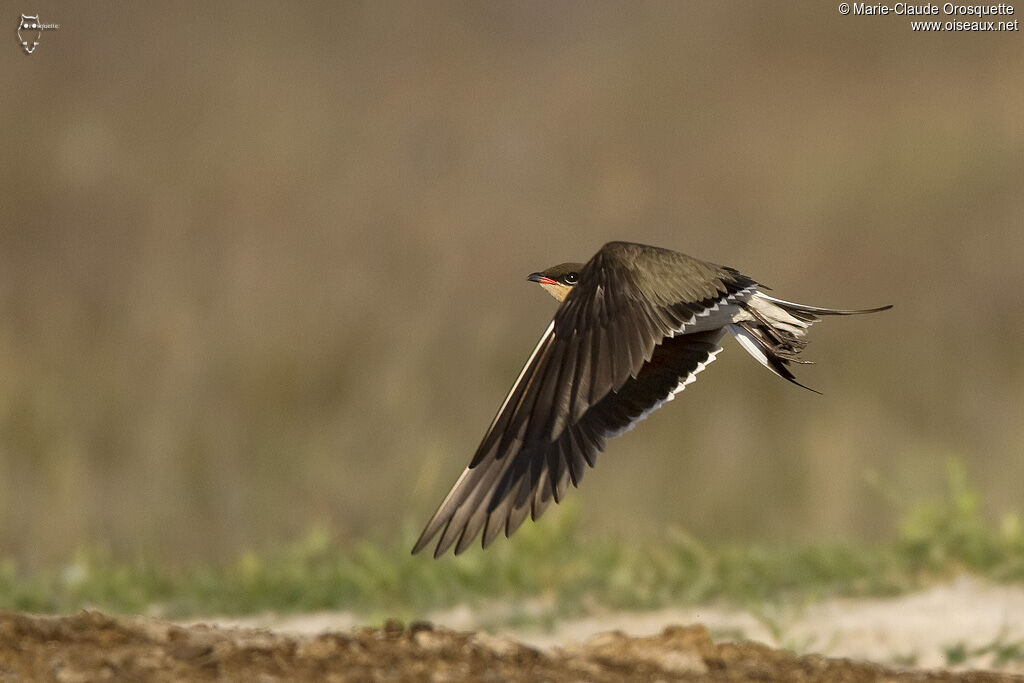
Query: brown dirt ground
[91, 646]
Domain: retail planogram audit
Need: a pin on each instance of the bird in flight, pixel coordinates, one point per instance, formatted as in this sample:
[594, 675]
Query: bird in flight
[635, 326]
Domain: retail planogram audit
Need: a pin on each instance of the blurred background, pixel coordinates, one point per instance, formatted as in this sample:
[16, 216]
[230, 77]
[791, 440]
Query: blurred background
[262, 264]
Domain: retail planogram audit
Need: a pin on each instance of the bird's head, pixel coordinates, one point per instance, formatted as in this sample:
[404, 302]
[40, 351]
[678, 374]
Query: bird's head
[558, 280]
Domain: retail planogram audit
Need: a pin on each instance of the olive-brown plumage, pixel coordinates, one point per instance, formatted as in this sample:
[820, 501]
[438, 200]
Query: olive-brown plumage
[635, 325]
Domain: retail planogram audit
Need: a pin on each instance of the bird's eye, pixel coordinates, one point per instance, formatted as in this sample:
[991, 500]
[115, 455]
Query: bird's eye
[571, 278]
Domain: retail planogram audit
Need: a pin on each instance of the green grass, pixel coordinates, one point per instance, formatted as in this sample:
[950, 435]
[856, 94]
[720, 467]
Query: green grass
[1000, 649]
[548, 561]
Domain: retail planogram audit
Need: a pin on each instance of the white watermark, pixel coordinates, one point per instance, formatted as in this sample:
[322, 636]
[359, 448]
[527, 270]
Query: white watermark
[30, 30]
[949, 16]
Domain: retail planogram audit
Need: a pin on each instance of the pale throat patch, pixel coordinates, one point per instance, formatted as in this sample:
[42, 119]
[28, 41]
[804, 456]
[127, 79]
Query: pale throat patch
[559, 291]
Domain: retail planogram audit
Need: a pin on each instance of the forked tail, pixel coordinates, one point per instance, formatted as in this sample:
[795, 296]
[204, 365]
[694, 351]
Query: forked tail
[773, 330]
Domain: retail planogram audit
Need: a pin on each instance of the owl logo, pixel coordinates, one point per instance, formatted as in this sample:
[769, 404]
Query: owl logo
[29, 33]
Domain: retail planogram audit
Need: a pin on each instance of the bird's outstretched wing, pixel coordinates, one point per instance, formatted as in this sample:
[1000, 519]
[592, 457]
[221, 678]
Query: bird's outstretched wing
[623, 341]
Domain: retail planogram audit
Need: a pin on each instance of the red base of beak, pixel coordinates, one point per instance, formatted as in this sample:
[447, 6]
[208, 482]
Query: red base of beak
[541, 279]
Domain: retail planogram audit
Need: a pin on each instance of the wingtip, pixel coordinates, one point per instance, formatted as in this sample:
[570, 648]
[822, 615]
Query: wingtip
[441, 549]
[420, 545]
[428, 534]
[427, 537]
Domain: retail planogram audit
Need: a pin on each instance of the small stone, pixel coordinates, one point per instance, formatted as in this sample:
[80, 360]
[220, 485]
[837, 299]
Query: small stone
[419, 625]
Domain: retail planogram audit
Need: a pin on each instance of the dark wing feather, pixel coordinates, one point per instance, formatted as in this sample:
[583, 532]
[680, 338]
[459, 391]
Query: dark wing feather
[674, 363]
[631, 298]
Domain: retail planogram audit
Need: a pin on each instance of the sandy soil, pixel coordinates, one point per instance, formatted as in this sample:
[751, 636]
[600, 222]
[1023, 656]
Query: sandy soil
[94, 647]
[906, 637]
[918, 629]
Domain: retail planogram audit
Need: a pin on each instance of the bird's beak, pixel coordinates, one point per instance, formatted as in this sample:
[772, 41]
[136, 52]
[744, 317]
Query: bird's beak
[541, 279]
